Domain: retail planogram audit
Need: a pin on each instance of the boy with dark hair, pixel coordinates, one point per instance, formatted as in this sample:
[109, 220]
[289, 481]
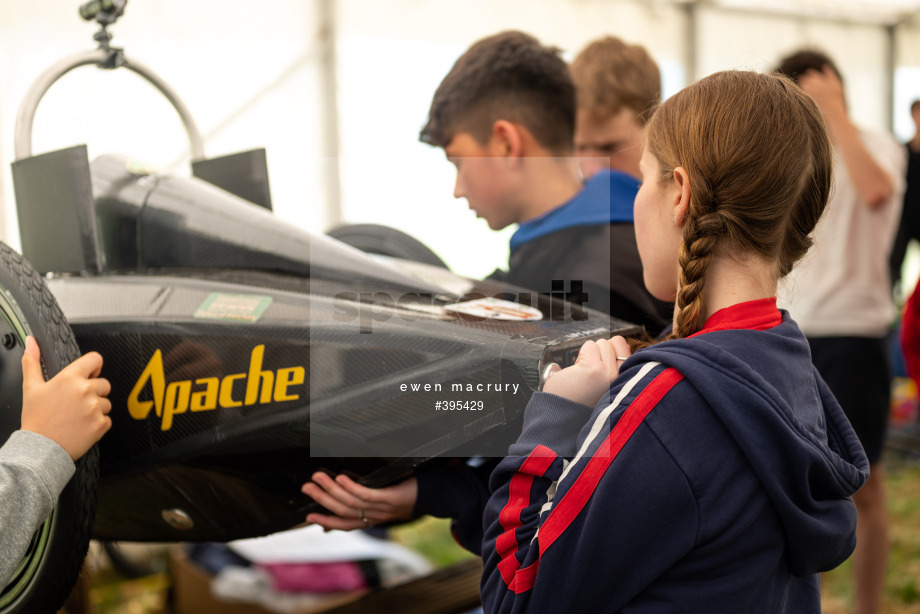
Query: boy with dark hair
[797, 64]
[841, 296]
[509, 76]
[505, 117]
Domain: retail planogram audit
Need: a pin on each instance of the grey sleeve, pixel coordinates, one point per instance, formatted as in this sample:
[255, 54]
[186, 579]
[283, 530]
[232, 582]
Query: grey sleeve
[33, 472]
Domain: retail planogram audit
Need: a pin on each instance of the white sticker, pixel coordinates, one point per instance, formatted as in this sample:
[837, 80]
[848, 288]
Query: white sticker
[497, 309]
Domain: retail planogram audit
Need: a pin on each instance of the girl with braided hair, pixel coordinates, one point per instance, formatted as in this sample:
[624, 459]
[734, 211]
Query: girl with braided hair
[711, 471]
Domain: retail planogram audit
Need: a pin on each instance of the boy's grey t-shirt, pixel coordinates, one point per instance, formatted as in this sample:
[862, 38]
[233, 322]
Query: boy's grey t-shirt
[33, 472]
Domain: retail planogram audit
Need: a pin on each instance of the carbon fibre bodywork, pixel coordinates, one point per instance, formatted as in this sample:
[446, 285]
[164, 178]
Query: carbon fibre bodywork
[246, 354]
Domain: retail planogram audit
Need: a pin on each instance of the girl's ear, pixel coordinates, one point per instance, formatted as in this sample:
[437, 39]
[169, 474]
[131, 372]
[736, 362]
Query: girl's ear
[506, 140]
[681, 195]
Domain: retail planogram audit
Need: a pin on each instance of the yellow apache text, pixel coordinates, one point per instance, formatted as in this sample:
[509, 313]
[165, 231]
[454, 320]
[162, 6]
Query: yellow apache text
[209, 393]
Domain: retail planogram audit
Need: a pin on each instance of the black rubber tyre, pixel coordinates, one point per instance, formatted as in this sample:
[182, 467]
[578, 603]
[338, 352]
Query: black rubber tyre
[386, 241]
[49, 570]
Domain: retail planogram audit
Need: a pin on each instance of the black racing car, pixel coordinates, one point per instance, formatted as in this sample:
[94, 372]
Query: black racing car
[244, 353]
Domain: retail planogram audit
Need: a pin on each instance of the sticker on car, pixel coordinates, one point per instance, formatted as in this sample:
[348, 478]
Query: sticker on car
[236, 307]
[496, 309]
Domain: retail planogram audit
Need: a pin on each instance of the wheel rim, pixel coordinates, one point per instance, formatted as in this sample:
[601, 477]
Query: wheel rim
[14, 325]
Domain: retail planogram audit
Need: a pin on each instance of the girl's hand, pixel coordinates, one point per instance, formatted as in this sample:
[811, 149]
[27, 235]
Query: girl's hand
[597, 365]
[356, 506]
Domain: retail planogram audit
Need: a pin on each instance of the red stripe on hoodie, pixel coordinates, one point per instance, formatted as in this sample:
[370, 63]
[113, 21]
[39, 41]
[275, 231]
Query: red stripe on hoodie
[510, 517]
[577, 496]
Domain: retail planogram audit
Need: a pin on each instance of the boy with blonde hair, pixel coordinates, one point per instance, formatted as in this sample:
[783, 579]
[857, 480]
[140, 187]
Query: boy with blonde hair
[618, 86]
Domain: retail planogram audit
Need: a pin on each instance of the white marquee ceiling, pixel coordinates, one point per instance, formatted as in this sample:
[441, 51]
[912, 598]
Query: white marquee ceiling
[878, 11]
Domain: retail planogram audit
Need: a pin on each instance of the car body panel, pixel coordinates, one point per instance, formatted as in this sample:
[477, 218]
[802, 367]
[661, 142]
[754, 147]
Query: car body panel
[245, 354]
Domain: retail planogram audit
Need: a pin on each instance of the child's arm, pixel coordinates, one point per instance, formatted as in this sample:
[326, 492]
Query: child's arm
[33, 472]
[61, 420]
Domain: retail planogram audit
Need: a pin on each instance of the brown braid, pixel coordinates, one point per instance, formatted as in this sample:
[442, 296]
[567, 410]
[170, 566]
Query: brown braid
[701, 237]
[758, 159]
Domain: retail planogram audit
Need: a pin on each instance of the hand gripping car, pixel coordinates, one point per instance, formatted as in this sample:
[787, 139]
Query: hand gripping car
[244, 353]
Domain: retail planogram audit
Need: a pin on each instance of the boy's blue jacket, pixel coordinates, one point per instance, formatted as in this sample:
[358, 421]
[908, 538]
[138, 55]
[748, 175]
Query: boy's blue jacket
[715, 476]
[607, 198]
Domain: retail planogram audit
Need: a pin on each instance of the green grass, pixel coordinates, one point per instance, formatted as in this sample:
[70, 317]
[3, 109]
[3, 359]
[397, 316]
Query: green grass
[432, 538]
[111, 594]
[902, 580]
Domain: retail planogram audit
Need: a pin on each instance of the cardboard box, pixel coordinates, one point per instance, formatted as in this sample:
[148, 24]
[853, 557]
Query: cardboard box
[192, 592]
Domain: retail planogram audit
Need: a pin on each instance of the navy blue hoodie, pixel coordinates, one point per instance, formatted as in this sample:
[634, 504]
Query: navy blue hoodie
[715, 476]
